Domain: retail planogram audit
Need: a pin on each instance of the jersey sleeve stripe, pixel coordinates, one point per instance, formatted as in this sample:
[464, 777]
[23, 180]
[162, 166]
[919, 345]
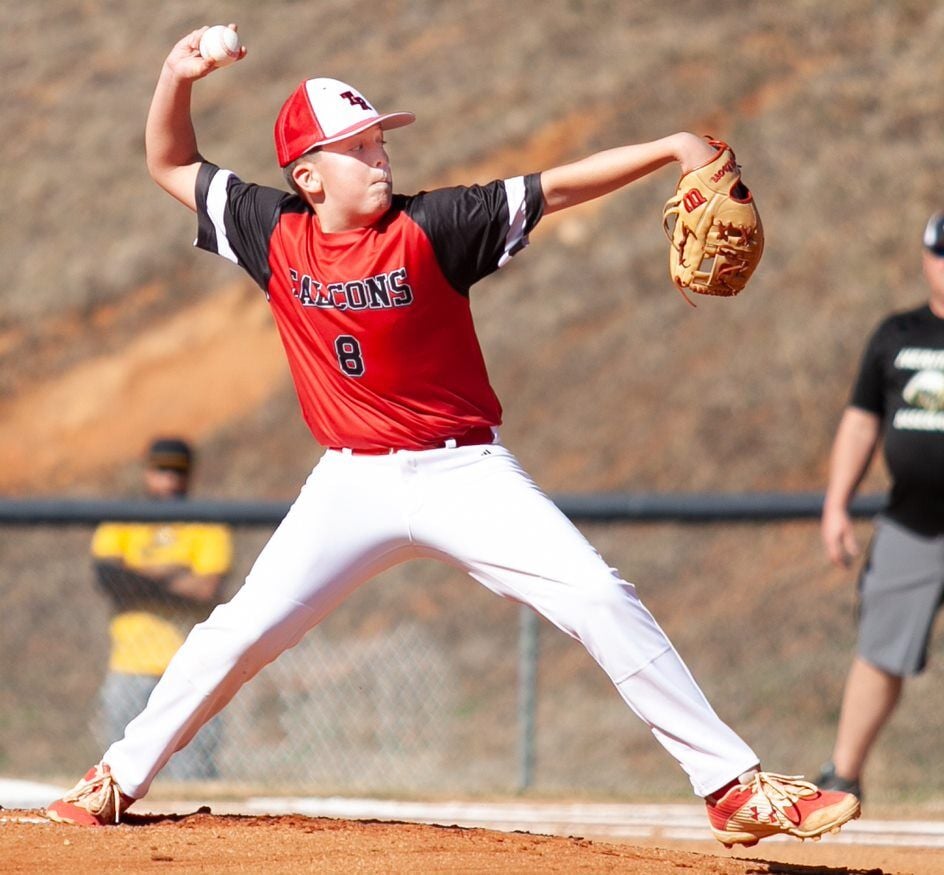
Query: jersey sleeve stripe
[216, 210]
[515, 239]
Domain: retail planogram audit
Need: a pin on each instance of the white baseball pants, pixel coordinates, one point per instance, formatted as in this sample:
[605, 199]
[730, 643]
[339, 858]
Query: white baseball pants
[473, 507]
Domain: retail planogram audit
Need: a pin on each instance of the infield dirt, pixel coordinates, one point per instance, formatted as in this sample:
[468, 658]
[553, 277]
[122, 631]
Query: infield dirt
[203, 842]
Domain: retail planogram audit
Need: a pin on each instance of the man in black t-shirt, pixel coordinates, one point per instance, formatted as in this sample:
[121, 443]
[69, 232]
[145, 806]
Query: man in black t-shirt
[898, 401]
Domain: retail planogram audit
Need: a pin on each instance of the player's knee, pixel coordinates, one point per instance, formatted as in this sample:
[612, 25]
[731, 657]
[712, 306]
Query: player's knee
[607, 595]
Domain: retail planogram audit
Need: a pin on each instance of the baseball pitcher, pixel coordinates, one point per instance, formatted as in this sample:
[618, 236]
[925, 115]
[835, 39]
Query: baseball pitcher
[370, 291]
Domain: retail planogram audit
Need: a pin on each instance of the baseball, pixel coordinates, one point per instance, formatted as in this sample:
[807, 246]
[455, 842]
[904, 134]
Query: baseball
[220, 44]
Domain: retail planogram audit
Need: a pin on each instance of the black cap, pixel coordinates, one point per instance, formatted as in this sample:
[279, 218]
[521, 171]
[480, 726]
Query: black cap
[172, 453]
[934, 235]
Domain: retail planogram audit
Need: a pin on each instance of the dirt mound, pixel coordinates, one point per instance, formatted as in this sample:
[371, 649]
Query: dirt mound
[201, 842]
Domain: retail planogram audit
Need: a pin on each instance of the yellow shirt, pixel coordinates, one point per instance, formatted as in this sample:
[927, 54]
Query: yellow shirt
[144, 639]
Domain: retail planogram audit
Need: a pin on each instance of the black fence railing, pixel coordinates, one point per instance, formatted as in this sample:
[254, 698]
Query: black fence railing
[588, 507]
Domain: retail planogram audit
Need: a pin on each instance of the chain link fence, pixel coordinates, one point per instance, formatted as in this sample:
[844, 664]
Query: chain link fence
[389, 693]
[414, 685]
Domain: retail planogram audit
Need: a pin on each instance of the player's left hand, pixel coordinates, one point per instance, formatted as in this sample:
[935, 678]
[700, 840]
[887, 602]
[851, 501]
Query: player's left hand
[712, 224]
[693, 152]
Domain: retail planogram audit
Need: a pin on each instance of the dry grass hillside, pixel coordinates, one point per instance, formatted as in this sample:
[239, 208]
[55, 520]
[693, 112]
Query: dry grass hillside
[112, 326]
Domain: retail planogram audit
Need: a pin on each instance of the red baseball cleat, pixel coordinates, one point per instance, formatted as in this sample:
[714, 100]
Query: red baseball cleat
[95, 801]
[778, 805]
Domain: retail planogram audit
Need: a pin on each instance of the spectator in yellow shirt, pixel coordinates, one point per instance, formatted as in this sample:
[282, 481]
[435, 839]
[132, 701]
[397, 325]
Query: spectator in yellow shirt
[161, 579]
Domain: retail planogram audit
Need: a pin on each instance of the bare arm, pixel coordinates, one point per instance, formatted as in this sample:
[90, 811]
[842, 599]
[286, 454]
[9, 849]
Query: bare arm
[173, 158]
[853, 448]
[606, 171]
[180, 580]
[126, 585]
[202, 588]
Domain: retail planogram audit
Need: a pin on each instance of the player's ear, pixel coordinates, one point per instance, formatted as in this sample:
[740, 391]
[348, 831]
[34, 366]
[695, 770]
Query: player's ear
[308, 178]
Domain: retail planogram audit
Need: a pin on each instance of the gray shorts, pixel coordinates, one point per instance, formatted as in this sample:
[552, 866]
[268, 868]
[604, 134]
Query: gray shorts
[900, 592]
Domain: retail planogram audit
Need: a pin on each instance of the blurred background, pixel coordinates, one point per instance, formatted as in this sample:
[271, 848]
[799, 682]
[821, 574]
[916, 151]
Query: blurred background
[113, 328]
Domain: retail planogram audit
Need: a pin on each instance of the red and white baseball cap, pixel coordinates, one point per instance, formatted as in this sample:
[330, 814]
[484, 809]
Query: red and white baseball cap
[322, 111]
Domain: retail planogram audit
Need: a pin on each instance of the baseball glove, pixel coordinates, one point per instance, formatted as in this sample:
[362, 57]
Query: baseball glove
[717, 238]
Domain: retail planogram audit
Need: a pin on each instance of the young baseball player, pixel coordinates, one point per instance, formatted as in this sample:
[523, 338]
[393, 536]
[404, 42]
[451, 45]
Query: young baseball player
[370, 293]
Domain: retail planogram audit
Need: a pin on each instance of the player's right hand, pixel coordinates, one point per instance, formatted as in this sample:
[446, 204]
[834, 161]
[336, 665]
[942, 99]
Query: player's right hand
[839, 537]
[185, 60]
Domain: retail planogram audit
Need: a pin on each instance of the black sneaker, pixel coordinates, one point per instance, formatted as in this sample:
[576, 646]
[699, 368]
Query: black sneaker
[829, 780]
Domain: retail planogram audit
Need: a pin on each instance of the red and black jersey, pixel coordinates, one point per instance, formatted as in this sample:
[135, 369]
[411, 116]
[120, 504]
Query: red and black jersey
[376, 322]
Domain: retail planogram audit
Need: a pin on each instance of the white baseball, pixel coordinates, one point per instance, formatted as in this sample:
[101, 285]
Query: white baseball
[220, 44]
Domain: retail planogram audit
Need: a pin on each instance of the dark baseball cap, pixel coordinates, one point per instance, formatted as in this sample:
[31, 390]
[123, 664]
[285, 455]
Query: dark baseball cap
[170, 453]
[934, 235]
[322, 111]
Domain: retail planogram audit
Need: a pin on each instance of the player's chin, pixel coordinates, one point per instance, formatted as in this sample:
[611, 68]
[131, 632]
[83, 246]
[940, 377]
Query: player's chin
[381, 197]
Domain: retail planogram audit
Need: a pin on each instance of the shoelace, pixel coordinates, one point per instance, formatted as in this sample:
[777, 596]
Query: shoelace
[106, 786]
[782, 792]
